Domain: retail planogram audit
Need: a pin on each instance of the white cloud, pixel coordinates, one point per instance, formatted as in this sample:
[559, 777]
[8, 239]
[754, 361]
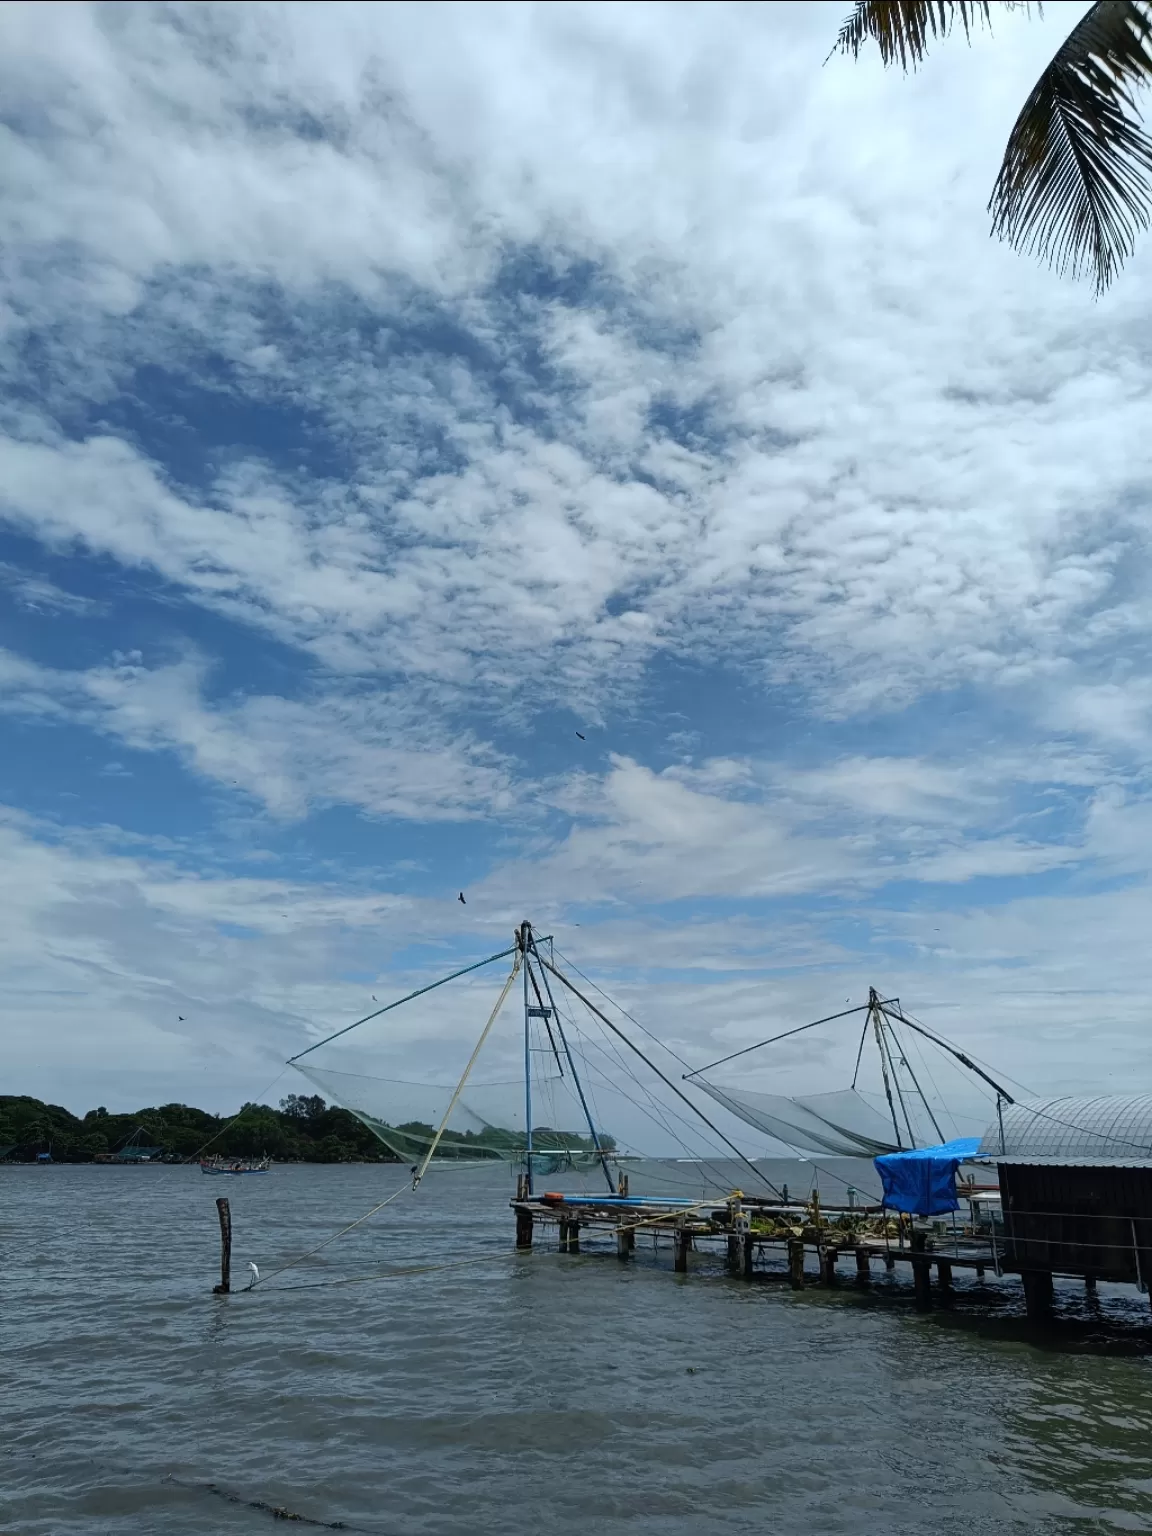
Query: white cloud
[364, 749]
[780, 407]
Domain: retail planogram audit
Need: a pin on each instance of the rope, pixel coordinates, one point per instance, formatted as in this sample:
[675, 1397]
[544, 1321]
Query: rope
[195, 1156]
[308, 1254]
[500, 1001]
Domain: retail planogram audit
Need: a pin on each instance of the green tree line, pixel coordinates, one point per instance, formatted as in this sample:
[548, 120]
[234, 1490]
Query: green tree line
[303, 1129]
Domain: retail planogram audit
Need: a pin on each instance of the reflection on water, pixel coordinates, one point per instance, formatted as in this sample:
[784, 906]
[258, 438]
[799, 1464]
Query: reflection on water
[571, 1394]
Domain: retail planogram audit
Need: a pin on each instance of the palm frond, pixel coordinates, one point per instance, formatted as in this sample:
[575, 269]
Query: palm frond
[903, 28]
[1074, 185]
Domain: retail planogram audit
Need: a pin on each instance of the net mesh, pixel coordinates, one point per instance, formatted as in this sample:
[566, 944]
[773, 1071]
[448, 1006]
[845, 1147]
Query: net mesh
[843, 1123]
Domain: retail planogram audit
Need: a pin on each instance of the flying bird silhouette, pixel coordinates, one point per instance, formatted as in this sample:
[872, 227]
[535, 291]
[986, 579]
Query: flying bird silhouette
[581, 736]
[461, 900]
[179, 1018]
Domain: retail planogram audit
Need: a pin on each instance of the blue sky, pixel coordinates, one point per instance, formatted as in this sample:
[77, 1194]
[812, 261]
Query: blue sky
[393, 392]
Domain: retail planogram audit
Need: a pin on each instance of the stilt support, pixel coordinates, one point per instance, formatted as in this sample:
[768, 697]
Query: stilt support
[863, 1267]
[1090, 1285]
[523, 1229]
[796, 1263]
[733, 1251]
[828, 1266]
[625, 1242]
[944, 1277]
[889, 1263]
[749, 1257]
[922, 1281]
[683, 1249]
[1038, 1293]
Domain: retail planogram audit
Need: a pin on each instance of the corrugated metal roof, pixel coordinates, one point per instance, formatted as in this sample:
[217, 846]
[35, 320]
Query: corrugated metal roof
[1022, 1161]
[1083, 1128]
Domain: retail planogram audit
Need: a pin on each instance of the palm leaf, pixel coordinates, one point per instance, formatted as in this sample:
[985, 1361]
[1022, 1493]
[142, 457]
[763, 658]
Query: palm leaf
[1074, 185]
[902, 28]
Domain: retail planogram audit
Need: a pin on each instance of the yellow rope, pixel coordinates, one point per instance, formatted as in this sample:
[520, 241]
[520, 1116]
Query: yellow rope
[492, 1017]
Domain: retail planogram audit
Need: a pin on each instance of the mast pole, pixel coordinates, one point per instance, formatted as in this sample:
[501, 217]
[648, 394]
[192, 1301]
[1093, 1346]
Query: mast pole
[874, 1015]
[523, 937]
[572, 1068]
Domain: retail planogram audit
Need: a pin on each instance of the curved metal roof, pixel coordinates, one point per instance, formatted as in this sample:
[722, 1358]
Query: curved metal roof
[1111, 1126]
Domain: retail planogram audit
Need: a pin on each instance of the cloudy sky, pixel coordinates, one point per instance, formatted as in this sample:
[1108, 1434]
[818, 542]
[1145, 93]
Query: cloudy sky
[393, 391]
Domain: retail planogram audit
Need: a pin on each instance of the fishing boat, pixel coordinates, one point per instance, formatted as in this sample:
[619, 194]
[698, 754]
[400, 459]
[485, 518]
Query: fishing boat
[232, 1165]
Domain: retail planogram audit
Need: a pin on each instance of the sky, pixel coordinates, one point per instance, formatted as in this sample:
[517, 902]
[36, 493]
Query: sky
[393, 392]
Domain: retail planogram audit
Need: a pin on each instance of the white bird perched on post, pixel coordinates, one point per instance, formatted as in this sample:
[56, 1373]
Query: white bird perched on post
[255, 1274]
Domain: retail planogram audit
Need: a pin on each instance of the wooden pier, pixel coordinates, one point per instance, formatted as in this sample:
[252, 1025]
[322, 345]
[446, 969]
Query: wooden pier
[800, 1245]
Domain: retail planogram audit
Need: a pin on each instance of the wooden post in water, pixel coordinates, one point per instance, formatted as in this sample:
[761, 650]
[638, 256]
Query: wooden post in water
[733, 1251]
[1090, 1285]
[828, 1266]
[921, 1271]
[863, 1267]
[625, 1242]
[944, 1276]
[523, 1228]
[622, 1185]
[796, 1263]
[224, 1211]
[573, 1237]
[563, 1234]
[749, 1256]
[1038, 1293]
[683, 1242]
[889, 1262]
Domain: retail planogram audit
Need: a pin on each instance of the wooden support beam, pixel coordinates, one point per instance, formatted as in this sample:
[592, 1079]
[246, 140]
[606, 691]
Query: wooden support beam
[944, 1276]
[863, 1266]
[683, 1249]
[733, 1251]
[889, 1263]
[828, 1266]
[1090, 1285]
[1038, 1293]
[224, 1212]
[749, 1256]
[796, 1263]
[523, 1228]
[922, 1281]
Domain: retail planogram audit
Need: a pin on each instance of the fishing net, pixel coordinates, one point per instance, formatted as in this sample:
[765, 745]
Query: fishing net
[843, 1123]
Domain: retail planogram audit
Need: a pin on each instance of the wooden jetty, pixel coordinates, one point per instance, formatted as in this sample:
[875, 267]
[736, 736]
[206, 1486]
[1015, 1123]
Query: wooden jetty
[800, 1243]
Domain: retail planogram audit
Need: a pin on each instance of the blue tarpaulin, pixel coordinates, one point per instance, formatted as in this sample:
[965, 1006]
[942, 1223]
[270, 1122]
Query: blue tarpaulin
[923, 1182]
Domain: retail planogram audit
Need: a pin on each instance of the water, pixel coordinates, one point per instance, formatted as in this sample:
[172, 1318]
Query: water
[519, 1395]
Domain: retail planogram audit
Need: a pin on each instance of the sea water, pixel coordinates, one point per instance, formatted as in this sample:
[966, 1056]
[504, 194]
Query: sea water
[517, 1394]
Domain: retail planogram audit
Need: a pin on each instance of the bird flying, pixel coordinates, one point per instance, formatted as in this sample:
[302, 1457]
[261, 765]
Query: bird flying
[461, 900]
[581, 736]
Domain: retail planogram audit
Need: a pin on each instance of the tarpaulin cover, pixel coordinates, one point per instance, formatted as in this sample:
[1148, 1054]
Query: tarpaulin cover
[923, 1182]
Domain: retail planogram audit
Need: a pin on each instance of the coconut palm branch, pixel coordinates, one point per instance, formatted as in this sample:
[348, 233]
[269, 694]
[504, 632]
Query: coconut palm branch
[1075, 185]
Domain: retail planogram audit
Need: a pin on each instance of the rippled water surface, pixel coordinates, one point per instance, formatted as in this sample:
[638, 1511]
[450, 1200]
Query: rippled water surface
[520, 1394]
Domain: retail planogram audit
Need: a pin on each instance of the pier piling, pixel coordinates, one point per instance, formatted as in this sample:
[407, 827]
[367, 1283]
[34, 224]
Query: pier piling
[1037, 1293]
[733, 1251]
[625, 1242]
[796, 1263]
[523, 1228]
[224, 1211]
[683, 1249]
[828, 1266]
[863, 1267]
[749, 1257]
[944, 1276]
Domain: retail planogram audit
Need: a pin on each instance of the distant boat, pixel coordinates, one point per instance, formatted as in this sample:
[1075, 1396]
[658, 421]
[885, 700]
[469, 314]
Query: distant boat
[234, 1165]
